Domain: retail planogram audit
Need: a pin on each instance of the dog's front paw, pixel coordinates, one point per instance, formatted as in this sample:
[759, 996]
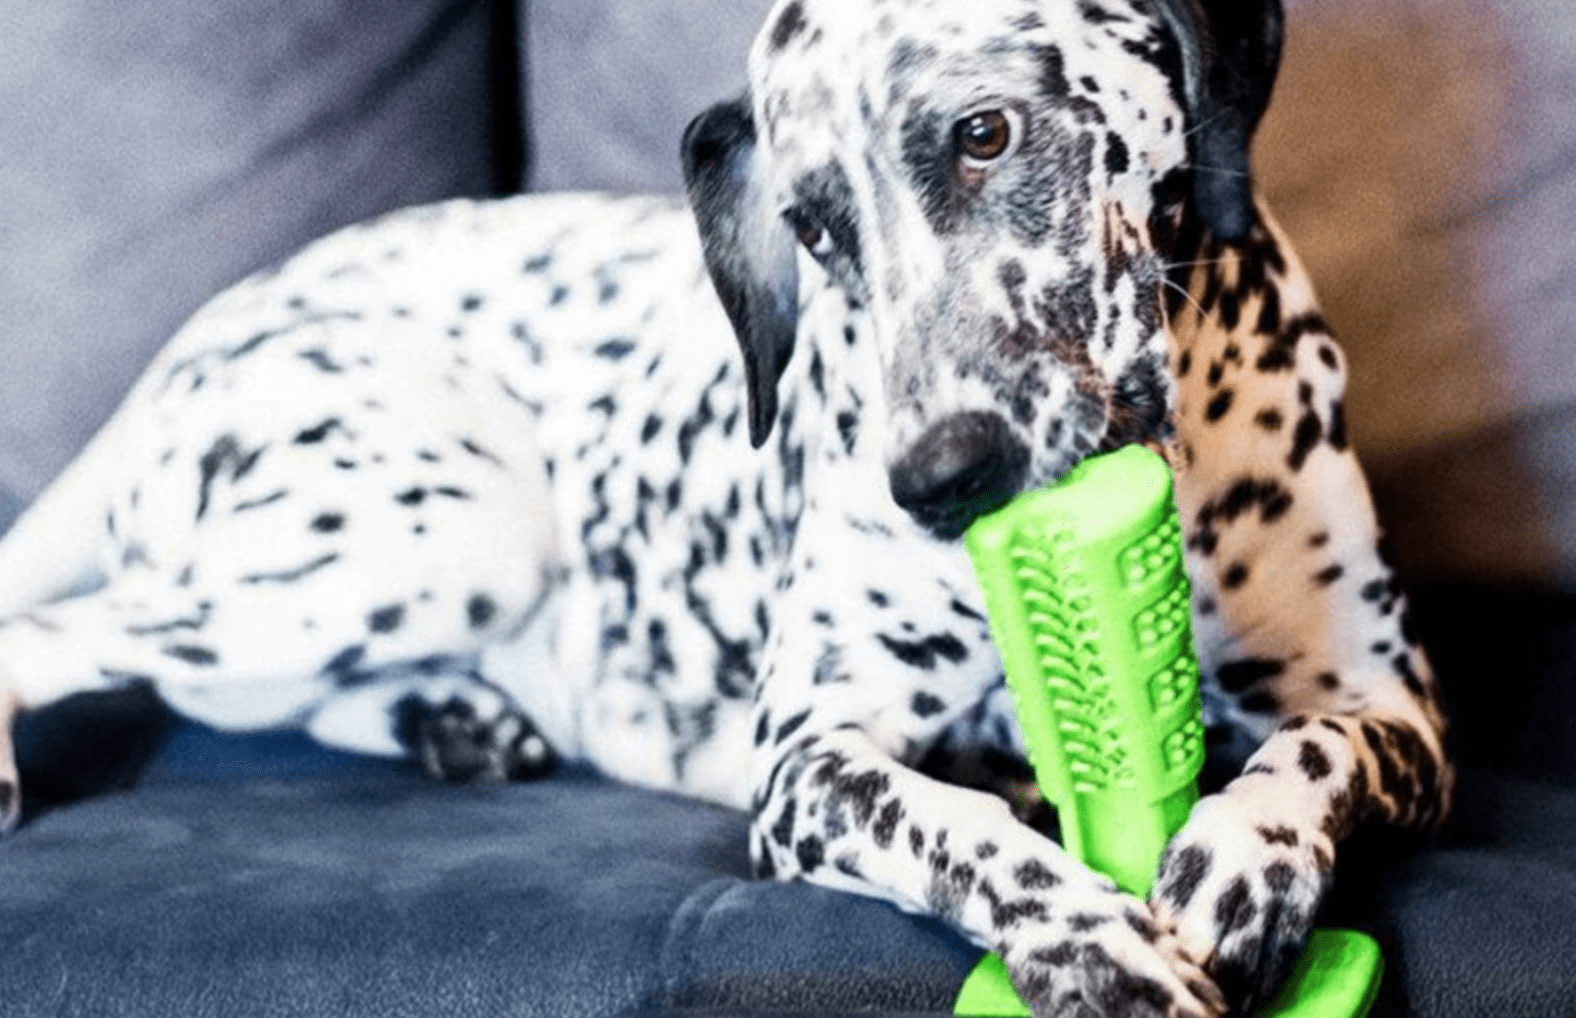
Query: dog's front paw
[1109, 959]
[1239, 886]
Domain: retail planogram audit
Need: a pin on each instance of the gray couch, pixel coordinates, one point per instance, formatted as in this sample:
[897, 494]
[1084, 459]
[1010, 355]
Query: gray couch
[156, 150]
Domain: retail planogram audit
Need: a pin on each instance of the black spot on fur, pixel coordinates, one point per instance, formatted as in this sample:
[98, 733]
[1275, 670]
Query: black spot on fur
[295, 575]
[782, 828]
[320, 360]
[1235, 577]
[317, 434]
[1314, 761]
[1326, 577]
[789, 25]
[1279, 876]
[1279, 836]
[1310, 430]
[787, 728]
[1337, 429]
[346, 661]
[848, 429]
[1005, 914]
[1116, 155]
[1234, 910]
[191, 654]
[924, 654]
[1237, 676]
[1083, 922]
[1053, 72]
[1260, 701]
[1268, 496]
[1280, 353]
[328, 523]
[959, 608]
[810, 853]
[480, 610]
[1142, 925]
[1032, 875]
[224, 457]
[387, 620]
[927, 157]
[1270, 311]
[1219, 406]
[1403, 667]
[1230, 309]
[926, 705]
[1185, 873]
[885, 827]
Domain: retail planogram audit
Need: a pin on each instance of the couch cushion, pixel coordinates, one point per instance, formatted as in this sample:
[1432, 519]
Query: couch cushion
[263, 875]
[613, 83]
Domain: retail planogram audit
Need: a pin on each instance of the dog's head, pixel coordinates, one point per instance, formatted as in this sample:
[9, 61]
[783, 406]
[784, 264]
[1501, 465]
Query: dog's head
[986, 181]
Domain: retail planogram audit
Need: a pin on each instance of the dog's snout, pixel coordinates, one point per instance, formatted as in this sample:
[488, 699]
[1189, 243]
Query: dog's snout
[960, 469]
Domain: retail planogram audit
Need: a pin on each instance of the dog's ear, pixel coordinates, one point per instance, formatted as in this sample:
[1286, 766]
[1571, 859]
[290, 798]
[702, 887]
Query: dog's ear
[750, 250]
[1230, 52]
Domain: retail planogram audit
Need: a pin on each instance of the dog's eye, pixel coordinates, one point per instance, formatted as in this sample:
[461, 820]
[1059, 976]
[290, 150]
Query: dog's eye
[984, 137]
[814, 237]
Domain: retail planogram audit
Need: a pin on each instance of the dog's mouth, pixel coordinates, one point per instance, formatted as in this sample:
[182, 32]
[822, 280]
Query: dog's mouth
[951, 524]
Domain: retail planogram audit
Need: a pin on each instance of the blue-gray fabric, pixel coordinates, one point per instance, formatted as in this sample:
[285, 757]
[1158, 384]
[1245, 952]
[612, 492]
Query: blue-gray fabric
[264, 875]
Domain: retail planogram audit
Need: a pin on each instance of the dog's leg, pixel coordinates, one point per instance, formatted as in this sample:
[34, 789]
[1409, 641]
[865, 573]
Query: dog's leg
[263, 656]
[838, 811]
[1298, 618]
[880, 648]
[292, 583]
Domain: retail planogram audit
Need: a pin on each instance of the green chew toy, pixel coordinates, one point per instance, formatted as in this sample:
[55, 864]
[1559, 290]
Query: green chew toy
[1089, 605]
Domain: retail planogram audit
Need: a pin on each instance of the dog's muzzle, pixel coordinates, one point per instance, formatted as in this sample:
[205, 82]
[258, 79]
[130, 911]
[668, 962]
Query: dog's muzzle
[960, 469]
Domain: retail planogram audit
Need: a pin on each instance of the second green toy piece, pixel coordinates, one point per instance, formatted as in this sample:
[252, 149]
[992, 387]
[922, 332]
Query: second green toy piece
[1089, 605]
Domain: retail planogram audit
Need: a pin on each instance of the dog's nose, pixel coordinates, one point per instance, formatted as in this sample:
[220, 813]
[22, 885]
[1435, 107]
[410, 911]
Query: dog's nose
[960, 469]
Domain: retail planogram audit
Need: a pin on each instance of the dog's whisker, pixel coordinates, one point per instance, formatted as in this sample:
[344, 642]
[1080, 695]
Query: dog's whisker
[1196, 263]
[1220, 170]
[1202, 314]
[1207, 122]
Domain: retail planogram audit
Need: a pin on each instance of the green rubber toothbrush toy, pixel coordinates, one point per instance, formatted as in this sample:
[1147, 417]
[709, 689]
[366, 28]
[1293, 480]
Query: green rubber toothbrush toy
[1089, 605]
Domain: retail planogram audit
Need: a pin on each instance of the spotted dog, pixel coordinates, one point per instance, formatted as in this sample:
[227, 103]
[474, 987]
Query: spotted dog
[475, 483]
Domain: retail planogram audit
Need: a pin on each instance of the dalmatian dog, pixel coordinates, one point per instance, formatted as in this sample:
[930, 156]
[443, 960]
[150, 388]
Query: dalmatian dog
[475, 483]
